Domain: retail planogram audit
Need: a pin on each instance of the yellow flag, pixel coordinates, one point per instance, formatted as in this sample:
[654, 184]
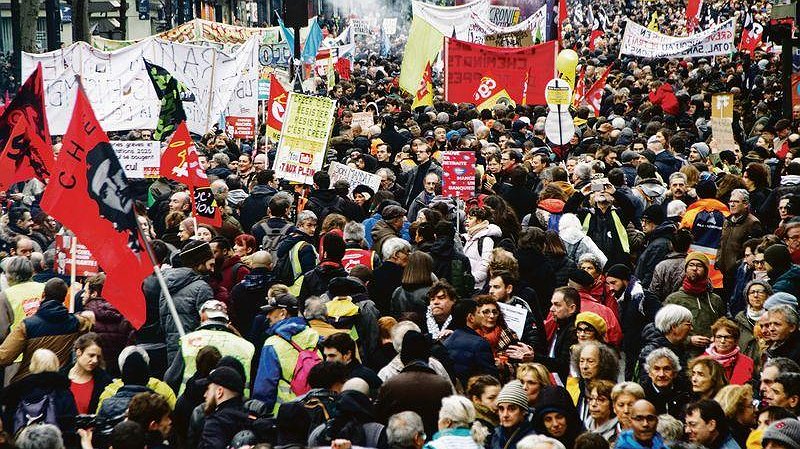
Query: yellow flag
[424, 43]
[424, 95]
[653, 25]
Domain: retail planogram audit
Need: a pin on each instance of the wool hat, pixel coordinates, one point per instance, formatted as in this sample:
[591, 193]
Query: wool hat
[619, 271]
[134, 370]
[785, 431]
[592, 319]
[781, 298]
[628, 156]
[778, 258]
[393, 212]
[581, 277]
[365, 191]
[649, 155]
[196, 252]
[513, 393]
[698, 256]
[333, 246]
[706, 189]
[415, 348]
[655, 214]
[702, 148]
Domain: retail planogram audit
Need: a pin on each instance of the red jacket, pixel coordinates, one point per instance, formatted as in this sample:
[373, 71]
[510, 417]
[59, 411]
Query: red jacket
[665, 97]
[741, 371]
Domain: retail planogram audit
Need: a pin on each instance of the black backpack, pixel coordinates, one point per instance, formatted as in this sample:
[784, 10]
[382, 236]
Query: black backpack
[40, 410]
[273, 238]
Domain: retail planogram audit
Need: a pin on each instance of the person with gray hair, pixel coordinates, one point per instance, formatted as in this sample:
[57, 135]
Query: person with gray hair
[782, 326]
[22, 297]
[581, 173]
[405, 431]
[458, 426]
[670, 428]
[42, 436]
[356, 251]
[389, 275]
[670, 329]
[396, 365]
[539, 442]
[664, 387]
[738, 227]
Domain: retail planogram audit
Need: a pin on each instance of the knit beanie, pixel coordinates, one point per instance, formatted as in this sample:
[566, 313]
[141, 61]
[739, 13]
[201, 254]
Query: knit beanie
[135, 370]
[698, 256]
[196, 252]
[415, 347]
[785, 431]
[513, 393]
[781, 298]
[619, 271]
[592, 319]
[706, 189]
[777, 256]
[655, 214]
[581, 277]
[702, 148]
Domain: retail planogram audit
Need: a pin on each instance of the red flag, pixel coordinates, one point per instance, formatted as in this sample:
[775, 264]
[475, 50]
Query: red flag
[580, 89]
[562, 16]
[693, 9]
[752, 34]
[595, 34]
[276, 107]
[594, 96]
[24, 135]
[89, 194]
[179, 163]
[466, 64]
[343, 68]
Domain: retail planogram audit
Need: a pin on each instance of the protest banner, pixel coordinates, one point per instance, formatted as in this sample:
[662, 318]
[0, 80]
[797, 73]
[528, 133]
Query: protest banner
[514, 317]
[360, 26]
[120, 89]
[240, 127]
[466, 64]
[514, 39]
[451, 21]
[504, 16]
[139, 158]
[304, 137]
[85, 264]
[480, 27]
[641, 41]
[353, 176]
[458, 174]
[722, 132]
[363, 119]
[389, 26]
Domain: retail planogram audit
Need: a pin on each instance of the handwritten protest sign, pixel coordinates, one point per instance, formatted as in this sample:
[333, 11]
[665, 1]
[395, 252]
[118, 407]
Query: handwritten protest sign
[85, 265]
[354, 176]
[722, 122]
[304, 137]
[360, 26]
[514, 39]
[641, 41]
[514, 316]
[139, 158]
[363, 119]
[458, 170]
[390, 26]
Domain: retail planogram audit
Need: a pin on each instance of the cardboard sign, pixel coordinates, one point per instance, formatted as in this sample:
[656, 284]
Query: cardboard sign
[139, 158]
[354, 176]
[390, 26]
[458, 174]
[514, 39]
[360, 26]
[722, 132]
[85, 265]
[363, 119]
[722, 106]
[241, 127]
[514, 316]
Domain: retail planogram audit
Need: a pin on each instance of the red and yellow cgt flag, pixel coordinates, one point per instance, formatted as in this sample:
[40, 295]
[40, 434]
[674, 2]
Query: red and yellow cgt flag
[424, 95]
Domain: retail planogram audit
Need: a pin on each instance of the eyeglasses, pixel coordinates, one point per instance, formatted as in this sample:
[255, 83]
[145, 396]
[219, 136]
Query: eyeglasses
[491, 312]
[723, 337]
[585, 330]
[758, 292]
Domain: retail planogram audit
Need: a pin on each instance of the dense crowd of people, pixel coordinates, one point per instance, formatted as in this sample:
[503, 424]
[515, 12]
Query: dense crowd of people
[635, 288]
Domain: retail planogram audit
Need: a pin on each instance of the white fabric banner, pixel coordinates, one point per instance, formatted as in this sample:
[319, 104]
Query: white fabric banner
[122, 94]
[481, 26]
[452, 19]
[640, 41]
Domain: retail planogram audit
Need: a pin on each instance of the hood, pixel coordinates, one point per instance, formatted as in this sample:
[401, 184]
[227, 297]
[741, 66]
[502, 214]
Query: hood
[665, 230]
[289, 327]
[442, 247]
[552, 205]
[652, 188]
[557, 399]
[564, 186]
[324, 196]
[177, 278]
[709, 204]
[570, 229]
[356, 405]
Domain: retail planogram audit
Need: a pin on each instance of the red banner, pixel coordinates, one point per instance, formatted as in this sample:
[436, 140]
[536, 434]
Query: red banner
[466, 64]
[276, 108]
[88, 192]
[458, 170]
[240, 127]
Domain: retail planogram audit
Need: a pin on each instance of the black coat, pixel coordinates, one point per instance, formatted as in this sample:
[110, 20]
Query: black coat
[316, 281]
[254, 207]
[248, 296]
[565, 337]
[658, 246]
[471, 354]
[668, 400]
[386, 279]
[228, 419]
[537, 275]
[35, 386]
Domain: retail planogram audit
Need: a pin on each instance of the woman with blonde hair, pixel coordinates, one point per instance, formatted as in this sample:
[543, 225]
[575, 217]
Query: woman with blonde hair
[534, 377]
[458, 426]
[737, 403]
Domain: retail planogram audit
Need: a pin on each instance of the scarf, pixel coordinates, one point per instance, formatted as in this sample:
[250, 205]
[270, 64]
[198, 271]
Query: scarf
[478, 227]
[752, 315]
[487, 414]
[726, 360]
[492, 336]
[695, 288]
[433, 328]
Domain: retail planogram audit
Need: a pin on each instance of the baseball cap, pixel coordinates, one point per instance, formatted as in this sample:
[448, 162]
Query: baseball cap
[284, 301]
[215, 309]
[226, 377]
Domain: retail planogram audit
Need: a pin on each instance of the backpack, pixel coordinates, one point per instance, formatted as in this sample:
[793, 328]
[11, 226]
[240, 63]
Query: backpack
[306, 359]
[461, 278]
[273, 237]
[41, 410]
[284, 271]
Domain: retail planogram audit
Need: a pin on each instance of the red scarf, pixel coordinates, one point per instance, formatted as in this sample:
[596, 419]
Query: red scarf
[492, 336]
[695, 288]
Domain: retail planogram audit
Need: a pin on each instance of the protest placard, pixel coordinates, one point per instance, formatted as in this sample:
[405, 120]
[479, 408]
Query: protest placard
[139, 158]
[304, 137]
[354, 176]
[85, 264]
[722, 132]
[641, 41]
[363, 119]
[390, 26]
[504, 16]
[240, 127]
[722, 106]
[514, 317]
[360, 26]
[480, 27]
[458, 174]
[513, 39]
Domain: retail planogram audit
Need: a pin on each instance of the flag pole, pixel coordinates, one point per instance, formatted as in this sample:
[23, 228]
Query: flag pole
[73, 265]
[157, 270]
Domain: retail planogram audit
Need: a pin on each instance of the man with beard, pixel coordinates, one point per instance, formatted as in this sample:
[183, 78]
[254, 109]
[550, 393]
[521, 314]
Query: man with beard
[678, 190]
[696, 295]
[224, 408]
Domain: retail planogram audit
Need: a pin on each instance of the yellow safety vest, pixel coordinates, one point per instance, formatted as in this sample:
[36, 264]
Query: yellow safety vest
[227, 343]
[287, 357]
[24, 299]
